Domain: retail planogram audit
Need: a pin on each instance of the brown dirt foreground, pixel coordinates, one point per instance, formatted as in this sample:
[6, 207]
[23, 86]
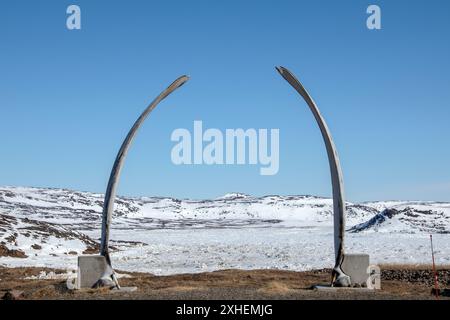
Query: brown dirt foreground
[398, 282]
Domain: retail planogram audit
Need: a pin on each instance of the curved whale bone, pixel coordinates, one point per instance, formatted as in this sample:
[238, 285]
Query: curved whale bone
[108, 278]
[339, 278]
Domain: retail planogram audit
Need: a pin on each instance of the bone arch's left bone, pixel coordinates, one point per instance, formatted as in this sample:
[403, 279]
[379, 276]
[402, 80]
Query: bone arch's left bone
[110, 195]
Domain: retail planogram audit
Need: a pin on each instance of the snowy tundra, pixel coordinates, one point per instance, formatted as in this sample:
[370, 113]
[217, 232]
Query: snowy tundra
[50, 227]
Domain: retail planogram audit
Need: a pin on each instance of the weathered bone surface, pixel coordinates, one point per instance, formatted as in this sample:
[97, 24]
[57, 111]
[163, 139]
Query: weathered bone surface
[108, 205]
[339, 277]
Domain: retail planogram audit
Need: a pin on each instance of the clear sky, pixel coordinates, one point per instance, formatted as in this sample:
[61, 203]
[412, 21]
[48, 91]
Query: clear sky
[68, 98]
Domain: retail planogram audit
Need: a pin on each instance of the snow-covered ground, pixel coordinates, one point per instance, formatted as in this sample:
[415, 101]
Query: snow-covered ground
[165, 235]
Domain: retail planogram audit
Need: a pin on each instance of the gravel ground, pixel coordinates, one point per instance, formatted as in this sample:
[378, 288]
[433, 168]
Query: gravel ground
[398, 282]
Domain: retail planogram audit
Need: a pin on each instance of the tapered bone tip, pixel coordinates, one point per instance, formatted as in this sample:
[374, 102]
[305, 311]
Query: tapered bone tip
[180, 81]
[280, 69]
[184, 78]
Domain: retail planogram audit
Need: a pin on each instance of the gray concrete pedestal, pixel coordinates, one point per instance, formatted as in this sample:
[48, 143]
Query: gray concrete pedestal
[356, 266]
[363, 276]
[91, 268]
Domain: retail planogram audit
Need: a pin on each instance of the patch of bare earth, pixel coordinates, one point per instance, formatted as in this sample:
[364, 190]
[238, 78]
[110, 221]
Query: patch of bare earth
[398, 282]
[15, 253]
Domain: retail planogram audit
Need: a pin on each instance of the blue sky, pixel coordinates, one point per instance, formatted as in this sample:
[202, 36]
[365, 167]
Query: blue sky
[68, 98]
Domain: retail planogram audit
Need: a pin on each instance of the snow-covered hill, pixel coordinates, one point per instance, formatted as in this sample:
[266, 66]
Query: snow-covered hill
[38, 222]
[410, 217]
[83, 209]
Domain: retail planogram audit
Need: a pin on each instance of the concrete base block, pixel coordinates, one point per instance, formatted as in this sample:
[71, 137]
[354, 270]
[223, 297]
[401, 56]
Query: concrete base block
[363, 276]
[90, 270]
[356, 266]
[340, 289]
[124, 289]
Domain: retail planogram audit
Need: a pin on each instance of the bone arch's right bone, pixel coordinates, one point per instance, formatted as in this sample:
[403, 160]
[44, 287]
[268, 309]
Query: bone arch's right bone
[339, 278]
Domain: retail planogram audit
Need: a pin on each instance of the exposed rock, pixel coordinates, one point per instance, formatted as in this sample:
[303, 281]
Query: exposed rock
[15, 253]
[13, 295]
[423, 276]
